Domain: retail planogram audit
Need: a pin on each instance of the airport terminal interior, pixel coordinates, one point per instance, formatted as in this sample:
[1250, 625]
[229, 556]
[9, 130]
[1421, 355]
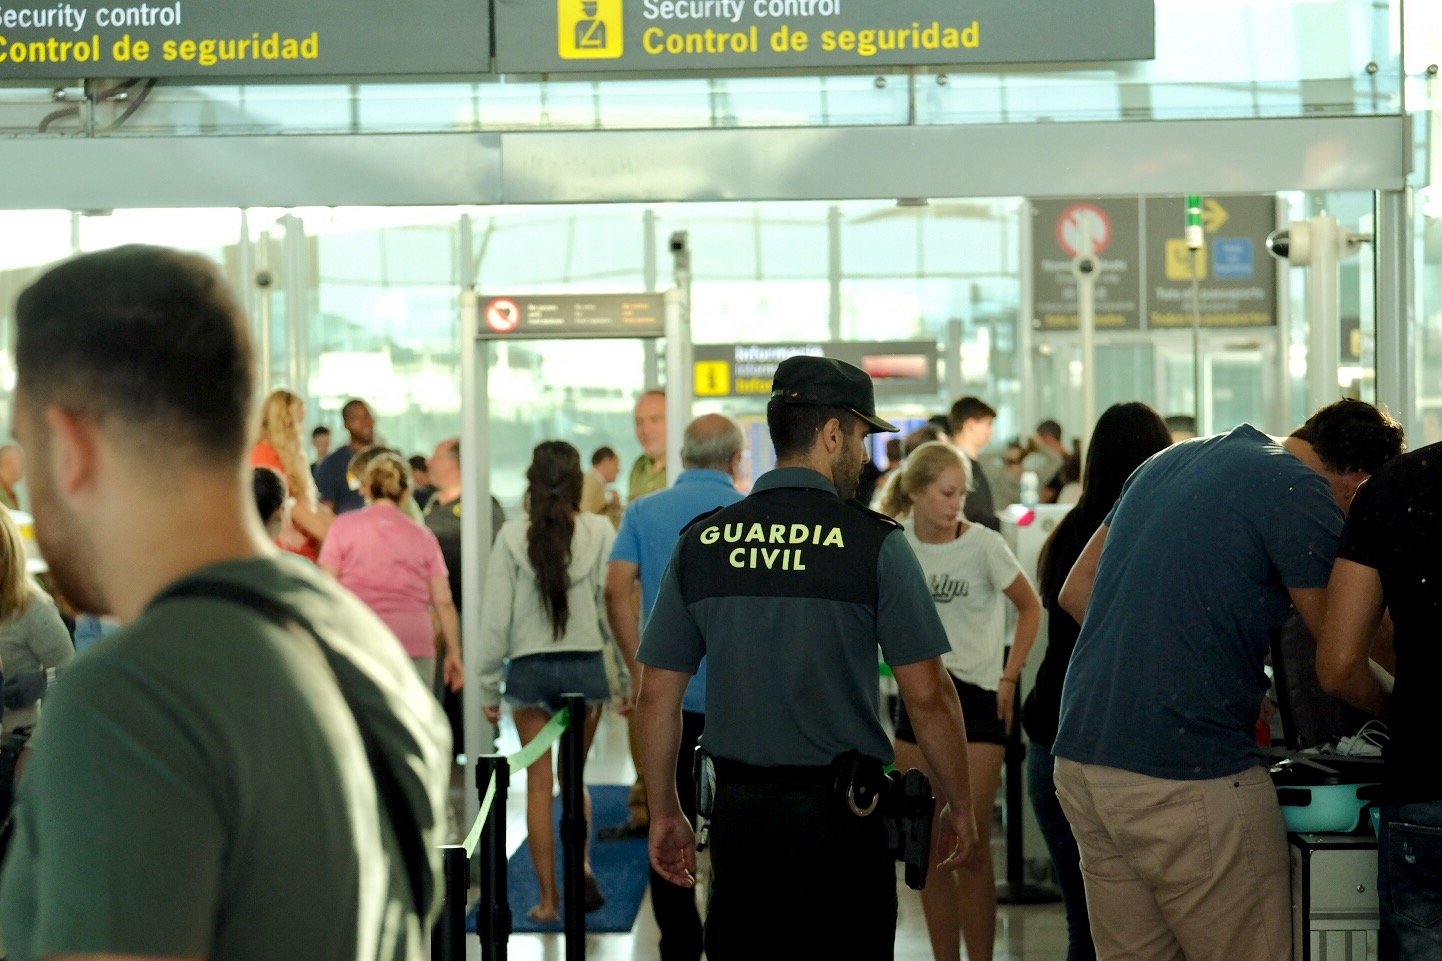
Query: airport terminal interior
[1013, 226]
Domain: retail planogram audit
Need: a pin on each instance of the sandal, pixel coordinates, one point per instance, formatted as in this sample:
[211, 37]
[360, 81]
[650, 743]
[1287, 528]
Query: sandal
[595, 900]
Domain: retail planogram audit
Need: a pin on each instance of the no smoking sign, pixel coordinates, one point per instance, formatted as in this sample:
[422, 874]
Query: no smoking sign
[1084, 228]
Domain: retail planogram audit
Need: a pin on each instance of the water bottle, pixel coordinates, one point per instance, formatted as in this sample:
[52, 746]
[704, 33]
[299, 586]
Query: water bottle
[1030, 489]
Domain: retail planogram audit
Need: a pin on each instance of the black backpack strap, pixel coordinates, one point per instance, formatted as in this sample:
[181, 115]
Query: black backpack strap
[404, 822]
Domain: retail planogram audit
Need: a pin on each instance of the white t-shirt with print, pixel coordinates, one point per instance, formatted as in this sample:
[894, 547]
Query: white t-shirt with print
[967, 577]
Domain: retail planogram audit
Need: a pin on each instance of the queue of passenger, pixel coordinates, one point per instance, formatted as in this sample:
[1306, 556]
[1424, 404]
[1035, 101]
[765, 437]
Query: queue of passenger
[1162, 582]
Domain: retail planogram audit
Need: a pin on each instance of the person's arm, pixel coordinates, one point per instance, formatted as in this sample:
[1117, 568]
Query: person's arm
[1028, 621]
[657, 715]
[935, 713]
[449, 622]
[494, 643]
[1354, 607]
[313, 519]
[46, 634]
[1076, 590]
[621, 579]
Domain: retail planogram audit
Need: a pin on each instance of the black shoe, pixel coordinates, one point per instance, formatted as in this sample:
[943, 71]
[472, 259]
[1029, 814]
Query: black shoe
[624, 832]
[595, 900]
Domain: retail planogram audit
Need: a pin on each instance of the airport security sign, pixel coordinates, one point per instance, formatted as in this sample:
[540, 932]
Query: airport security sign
[224, 39]
[552, 36]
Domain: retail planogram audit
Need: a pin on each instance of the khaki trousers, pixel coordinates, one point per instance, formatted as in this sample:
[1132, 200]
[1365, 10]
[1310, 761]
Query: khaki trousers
[1180, 870]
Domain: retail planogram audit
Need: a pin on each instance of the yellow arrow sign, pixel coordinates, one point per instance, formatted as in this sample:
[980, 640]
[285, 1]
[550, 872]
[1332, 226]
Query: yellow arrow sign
[1213, 215]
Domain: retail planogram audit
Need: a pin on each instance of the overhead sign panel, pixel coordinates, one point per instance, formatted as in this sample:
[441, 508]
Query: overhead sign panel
[897, 368]
[563, 316]
[1235, 276]
[1145, 268]
[554, 36]
[1107, 228]
[223, 39]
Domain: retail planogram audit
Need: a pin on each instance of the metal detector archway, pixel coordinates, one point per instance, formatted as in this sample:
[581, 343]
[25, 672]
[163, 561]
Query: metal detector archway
[488, 318]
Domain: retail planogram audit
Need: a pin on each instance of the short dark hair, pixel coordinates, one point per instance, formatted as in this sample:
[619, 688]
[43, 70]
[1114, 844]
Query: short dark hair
[794, 426]
[1352, 435]
[968, 408]
[922, 435]
[1048, 428]
[151, 337]
[270, 491]
[418, 462]
[321, 431]
[351, 405]
[602, 453]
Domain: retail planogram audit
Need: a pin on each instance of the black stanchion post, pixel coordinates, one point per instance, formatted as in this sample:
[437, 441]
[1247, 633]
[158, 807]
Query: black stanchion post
[448, 937]
[573, 826]
[1016, 889]
[493, 921]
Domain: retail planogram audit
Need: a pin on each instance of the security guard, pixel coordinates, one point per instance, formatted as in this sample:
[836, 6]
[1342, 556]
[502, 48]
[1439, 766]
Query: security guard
[789, 593]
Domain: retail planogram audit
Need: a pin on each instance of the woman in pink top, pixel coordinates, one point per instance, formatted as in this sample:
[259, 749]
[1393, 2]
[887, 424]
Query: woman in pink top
[395, 566]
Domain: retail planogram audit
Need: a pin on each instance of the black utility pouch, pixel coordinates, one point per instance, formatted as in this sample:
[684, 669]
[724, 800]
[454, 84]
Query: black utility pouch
[907, 808]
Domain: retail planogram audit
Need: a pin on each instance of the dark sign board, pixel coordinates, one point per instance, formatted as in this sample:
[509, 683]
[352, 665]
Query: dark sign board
[1110, 230]
[1237, 277]
[1145, 267]
[897, 368]
[223, 39]
[540, 36]
[561, 316]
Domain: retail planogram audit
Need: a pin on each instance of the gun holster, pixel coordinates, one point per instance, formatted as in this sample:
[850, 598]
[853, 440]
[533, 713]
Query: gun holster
[908, 808]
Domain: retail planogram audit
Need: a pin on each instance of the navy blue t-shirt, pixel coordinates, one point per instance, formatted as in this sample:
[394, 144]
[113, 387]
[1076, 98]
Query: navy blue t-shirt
[1202, 546]
[333, 485]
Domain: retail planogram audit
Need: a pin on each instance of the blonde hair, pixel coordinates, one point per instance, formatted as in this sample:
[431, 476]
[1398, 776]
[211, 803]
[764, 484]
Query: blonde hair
[921, 469]
[384, 475]
[280, 429]
[16, 584]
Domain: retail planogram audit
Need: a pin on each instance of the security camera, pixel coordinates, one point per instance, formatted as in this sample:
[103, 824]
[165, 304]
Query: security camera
[1084, 266]
[1292, 244]
[264, 278]
[678, 242]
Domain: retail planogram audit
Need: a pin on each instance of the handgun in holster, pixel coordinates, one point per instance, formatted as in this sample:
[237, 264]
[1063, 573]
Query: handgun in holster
[907, 809]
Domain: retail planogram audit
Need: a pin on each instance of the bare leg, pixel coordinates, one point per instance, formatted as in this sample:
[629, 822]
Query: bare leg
[976, 878]
[539, 829]
[939, 899]
[593, 720]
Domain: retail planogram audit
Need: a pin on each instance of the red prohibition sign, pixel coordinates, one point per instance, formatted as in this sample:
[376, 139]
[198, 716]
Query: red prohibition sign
[1081, 226]
[503, 315]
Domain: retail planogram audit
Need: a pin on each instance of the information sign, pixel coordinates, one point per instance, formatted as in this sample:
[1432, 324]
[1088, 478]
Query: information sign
[562, 316]
[1236, 277]
[1062, 229]
[897, 368]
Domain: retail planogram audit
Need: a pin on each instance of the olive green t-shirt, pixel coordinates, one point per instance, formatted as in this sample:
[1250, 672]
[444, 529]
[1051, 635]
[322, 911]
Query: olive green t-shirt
[199, 787]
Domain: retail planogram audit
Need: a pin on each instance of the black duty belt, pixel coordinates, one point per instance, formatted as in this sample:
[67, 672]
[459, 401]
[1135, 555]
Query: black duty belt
[823, 775]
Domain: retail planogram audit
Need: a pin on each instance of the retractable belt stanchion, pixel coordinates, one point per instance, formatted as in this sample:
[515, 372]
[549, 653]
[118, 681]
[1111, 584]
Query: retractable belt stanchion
[448, 937]
[1016, 889]
[573, 826]
[493, 921]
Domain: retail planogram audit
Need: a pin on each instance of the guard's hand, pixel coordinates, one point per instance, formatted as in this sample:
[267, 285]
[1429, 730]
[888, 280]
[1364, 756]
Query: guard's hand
[673, 849]
[628, 703]
[958, 837]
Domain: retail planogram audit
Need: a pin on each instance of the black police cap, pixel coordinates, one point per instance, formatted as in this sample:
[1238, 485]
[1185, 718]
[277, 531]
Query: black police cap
[827, 382]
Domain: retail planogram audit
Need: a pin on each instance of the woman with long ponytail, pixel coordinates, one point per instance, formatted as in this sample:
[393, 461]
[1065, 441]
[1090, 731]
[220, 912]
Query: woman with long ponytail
[544, 626]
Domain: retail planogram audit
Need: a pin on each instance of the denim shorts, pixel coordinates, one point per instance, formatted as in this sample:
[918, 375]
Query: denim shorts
[1409, 889]
[539, 680]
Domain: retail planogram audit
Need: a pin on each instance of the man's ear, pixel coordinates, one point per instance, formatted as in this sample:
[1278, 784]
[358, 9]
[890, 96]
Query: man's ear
[74, 449]
[833, 435]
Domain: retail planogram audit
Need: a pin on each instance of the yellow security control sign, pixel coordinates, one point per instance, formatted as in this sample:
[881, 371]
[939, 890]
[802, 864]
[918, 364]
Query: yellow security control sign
[590, 30]
[1179, 260]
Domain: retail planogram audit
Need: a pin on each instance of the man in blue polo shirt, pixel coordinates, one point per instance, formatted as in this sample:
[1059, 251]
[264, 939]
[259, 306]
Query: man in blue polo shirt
[711, 457]
[1211, 545]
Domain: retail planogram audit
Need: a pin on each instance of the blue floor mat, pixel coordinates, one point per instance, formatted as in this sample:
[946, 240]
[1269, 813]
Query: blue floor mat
[621, 869]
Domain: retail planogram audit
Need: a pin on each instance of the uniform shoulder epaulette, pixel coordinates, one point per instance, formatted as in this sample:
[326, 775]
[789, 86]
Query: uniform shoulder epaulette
[700, 517]
[886, 519]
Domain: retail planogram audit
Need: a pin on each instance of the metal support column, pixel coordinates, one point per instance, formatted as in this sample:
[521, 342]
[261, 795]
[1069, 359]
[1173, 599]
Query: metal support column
[570, 768]
[493, 918]
[1392, 250]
